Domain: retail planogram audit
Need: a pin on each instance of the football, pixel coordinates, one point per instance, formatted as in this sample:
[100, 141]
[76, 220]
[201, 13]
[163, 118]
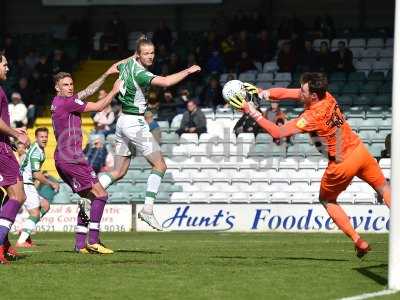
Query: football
[233, 87]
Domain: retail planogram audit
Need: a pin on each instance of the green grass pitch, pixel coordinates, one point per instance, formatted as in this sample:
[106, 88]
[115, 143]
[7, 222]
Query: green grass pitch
[198, 265]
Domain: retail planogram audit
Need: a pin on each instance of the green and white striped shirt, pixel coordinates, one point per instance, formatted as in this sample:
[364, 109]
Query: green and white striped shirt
[32, 162]
[136, 84]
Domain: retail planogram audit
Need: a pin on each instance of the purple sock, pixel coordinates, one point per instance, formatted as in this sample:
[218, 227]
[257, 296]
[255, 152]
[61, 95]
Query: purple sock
[7, 217]
[96, 212]
[80, 233]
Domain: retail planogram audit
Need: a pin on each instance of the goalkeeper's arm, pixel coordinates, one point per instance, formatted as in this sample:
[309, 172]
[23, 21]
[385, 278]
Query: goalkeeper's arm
[273, 93]
[275, 131]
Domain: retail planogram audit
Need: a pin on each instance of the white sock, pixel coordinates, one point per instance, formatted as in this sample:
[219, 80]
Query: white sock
[105, 180]
[28, 227]
[153, 185]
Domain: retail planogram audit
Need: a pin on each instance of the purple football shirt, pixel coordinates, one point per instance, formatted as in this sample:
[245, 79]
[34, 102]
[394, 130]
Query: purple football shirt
[66, 116]
[5, 145]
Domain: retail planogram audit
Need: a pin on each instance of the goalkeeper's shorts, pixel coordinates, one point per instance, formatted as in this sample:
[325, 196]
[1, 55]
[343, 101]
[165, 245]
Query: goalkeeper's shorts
[338, 176]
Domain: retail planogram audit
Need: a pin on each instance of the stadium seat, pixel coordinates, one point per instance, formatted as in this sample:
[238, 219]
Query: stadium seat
[189, 138]
[389, 43]
[352, 88]
[356, 76]
[180, 197]
[247, 77]
[224, 77]
[364, 66]
[335, 43]
[270, 67]
[382, 100]
[317, 43]
[386, 88]
[265, 77]
[386, 53]
[305, 197]
[169, 138]
[283, 76]
[345, 100]
[346, 198]
[239, 197]
[371, 88]
[280, 197]
[338, 76]
[376, 149]
[370, 53]
[263, 138]
[164, 125]
[369, 124]
[176, 122]
[376, 76]
[375, 43]
[357, 43]
[264, 85]
[381, 66]
[259, 197]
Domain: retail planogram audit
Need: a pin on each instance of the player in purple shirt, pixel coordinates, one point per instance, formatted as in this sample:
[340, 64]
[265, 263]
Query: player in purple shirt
[10, 176]
[70, 160]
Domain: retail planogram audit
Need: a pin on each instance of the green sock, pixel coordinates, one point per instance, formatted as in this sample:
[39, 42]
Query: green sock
[42, 212]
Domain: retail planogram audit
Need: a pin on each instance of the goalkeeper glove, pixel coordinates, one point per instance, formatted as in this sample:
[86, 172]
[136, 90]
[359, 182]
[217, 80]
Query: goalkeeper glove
[238, 102]
[251, 89]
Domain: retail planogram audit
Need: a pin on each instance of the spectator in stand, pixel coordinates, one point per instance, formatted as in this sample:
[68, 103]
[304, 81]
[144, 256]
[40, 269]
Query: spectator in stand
[96, 153]
[182, 100]
[248, 125]
[153, 103]
[153, 126]
[167, 110]
[193, 120]
[31, 59]
[274, 113]
[245, 63]
[60, 62]
[18, 111]
[385, 153]
[26, 93]
[265, 49]
[343, 58]
[211, 95]
[173, 64]
[162, 35]
[324, 58]
[308, 61]
[104, 118]
[286, 59]
[215, 63]
[44, 69]
[21, 69]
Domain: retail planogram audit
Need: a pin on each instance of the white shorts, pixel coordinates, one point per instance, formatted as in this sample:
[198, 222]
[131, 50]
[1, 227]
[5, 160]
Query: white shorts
[133, 134]
[32, 197]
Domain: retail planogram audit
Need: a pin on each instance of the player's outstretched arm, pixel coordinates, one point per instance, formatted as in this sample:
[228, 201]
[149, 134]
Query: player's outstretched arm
[19, 134]
[166, 81]
[102, 103]
[272, 94]
[94, 86]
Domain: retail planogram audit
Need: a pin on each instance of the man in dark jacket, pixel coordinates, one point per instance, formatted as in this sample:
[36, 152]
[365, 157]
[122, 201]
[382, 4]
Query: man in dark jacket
[343, 58]
[193, 120]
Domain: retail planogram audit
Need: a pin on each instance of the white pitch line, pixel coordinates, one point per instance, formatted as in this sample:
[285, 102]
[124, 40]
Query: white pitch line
[370, 295]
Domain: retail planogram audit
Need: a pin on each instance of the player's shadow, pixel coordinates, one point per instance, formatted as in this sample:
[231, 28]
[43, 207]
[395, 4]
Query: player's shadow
[310, 258]
[374, 273]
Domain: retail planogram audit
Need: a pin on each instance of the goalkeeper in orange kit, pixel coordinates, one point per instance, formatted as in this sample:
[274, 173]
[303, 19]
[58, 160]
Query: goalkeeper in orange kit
[333, 137]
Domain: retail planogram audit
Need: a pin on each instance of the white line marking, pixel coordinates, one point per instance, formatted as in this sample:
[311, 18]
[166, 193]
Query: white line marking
[370, 295]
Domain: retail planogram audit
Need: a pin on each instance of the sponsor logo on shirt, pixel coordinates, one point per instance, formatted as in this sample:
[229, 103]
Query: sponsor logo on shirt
[301, 123]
